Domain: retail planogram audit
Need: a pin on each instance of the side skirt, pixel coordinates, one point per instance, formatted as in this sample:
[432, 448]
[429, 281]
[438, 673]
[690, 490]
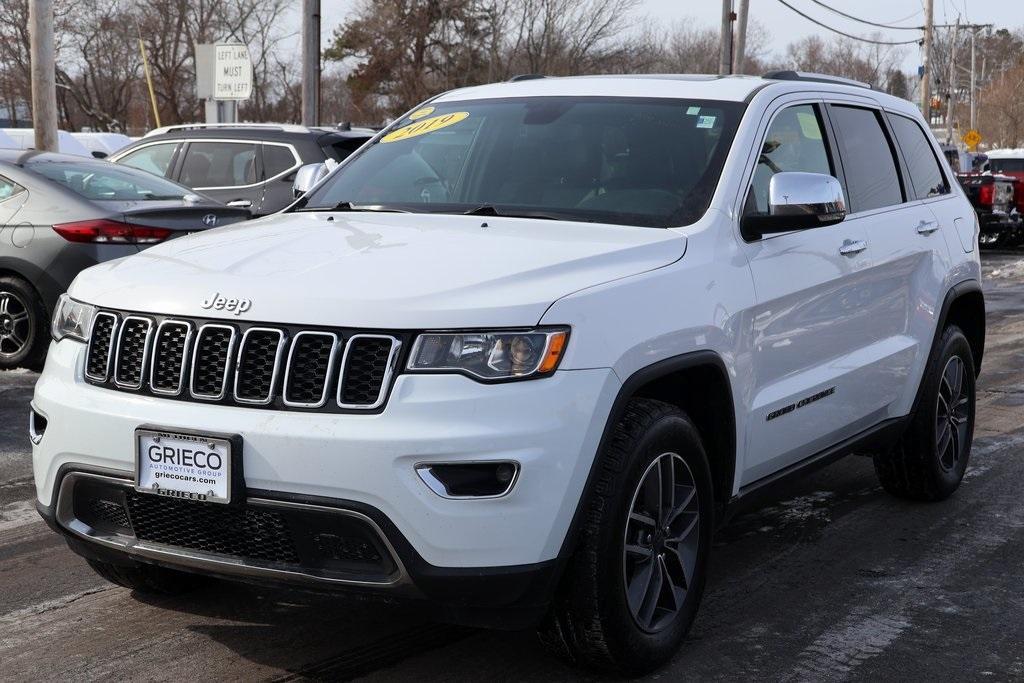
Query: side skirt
[879, 437]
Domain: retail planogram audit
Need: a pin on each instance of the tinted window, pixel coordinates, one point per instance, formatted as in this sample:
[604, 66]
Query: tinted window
[794, 142]
[219, 164]
[632, 161]
[9, 188]
[154, 158]
[340, 150]
[277, 160]
[871, 177]
[101, 180]
[1006, 165]
[925, 172]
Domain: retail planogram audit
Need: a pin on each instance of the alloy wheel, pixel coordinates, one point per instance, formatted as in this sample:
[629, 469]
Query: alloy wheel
[662, 539]
[952, 414]
[15, 324]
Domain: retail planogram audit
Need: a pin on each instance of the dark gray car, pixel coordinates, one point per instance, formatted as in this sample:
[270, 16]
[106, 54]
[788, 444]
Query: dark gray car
[60, 214]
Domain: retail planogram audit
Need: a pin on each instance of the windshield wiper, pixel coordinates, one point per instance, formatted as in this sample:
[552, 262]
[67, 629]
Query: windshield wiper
[349, 206]
[488, 210]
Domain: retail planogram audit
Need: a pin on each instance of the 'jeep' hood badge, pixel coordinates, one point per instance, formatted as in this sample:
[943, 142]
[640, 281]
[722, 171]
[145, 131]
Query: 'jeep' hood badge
[217, 302]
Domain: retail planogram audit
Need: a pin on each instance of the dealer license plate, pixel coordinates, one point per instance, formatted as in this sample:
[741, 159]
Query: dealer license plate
[184, 466]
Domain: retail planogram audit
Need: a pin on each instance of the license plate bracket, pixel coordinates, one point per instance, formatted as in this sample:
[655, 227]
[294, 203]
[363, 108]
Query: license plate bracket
[189, 465]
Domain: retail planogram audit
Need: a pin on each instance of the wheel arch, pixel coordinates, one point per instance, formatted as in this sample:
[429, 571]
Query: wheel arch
[669, 380]
[964, 306]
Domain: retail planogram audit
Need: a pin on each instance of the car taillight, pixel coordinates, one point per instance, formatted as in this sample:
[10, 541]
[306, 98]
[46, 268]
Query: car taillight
[986, 193]
[105, 231]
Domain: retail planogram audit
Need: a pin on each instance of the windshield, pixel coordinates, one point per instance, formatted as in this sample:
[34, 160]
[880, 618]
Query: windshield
[631, 161]
[102, 180]
[1006, 165]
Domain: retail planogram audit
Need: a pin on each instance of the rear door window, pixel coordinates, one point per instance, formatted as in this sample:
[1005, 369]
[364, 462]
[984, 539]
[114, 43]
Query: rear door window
[277, 159]
[869, 163]
[155, 159]
[219, 164]
[925, 172]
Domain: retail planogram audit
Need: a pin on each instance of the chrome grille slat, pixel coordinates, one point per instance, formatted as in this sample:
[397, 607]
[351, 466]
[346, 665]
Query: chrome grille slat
[252, 370]
[212, 354]
[170, 357]
[100, 353]
[132, 351]
[364, 379]
[234, 362]
[312, 370]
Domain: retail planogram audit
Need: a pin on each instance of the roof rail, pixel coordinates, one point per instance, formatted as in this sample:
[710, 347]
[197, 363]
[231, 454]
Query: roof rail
[786, 75]
[526, 77]
[286, 127]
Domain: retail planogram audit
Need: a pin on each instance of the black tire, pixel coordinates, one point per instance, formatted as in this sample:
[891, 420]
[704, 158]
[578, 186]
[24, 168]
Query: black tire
[918, 467]
[147, 579]
[23, 325]
[591, 622]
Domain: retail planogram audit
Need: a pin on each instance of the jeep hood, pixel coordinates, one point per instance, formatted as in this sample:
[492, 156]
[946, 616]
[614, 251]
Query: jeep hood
[387, 271]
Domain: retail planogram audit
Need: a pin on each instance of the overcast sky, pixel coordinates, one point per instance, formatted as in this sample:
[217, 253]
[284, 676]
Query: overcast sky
[785, 26]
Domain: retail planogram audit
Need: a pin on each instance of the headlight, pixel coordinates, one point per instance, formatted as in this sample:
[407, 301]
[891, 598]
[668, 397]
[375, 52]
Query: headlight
[490, 356]
[72, 319]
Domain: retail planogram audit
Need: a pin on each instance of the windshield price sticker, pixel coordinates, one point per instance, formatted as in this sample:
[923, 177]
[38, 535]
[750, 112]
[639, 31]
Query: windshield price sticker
[420, 113]
[426, 126]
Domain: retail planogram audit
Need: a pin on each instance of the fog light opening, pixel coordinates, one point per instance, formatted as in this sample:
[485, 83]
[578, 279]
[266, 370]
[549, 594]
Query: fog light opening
[470, 479]
[36, 426]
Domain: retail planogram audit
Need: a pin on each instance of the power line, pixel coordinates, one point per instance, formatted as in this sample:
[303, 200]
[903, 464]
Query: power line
[848, 35]
[865, 21]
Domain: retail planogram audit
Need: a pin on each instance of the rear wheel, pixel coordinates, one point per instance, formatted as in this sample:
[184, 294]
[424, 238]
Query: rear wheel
[23, 336]
[635, 582]
[147, 579]
[930, 460]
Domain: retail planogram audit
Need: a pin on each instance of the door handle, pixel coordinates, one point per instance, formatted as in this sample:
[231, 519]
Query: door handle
[927, 227]
[852, 247]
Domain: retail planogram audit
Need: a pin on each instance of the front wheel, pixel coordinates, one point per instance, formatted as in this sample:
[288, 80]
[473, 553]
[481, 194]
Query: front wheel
[930, 460]
[635, 582]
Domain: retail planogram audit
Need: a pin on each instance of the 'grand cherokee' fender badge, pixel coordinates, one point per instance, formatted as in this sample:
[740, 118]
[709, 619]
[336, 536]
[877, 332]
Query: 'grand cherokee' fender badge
[222, 303]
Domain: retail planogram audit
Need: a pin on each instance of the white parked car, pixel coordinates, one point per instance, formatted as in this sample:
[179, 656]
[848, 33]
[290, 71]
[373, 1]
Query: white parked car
[102, 145]
[520, 355]
[25, 138]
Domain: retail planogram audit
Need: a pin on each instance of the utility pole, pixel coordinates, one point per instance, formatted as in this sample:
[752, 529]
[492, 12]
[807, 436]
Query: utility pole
[974, 58]
[951, 83]
[44, 74]
[725, 44]
[926, 74]
[311, 62]
[741, 37]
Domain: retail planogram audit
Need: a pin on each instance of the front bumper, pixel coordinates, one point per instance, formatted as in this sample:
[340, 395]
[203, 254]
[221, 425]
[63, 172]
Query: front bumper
[364, 464]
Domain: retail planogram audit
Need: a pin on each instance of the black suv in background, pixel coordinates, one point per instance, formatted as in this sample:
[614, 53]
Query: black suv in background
[246, 165]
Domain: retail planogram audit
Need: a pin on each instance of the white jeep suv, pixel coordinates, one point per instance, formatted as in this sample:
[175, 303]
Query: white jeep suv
[522, 353]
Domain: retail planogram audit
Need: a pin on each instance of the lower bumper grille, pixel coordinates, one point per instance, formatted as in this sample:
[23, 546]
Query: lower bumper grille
[321, 542]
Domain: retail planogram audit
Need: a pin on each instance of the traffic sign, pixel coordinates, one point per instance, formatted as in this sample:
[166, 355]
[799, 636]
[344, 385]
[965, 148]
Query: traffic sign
[971, 138]
[223, 72]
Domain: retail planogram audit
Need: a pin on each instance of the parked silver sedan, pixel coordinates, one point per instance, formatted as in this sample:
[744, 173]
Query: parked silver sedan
[60, 214]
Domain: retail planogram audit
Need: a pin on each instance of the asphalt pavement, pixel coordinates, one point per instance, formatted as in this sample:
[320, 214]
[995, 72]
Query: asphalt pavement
[834, 580]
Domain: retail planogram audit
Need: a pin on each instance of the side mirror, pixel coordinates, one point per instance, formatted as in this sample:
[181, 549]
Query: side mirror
[307, 176]
[797, 201]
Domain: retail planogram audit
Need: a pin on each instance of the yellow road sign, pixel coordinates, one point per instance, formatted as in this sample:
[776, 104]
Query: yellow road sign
[972, 138]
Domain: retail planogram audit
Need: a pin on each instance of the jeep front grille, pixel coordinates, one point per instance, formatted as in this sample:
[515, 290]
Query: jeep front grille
[236, 363]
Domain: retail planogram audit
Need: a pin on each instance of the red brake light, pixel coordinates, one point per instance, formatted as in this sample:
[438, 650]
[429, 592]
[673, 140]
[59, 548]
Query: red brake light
[986, 193]
[105, 231]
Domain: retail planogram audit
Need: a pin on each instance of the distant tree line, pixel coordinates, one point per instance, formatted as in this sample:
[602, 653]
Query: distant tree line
[387, 55]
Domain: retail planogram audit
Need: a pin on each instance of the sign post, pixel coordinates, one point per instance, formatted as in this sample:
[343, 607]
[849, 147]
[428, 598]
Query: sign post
[223, 78]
